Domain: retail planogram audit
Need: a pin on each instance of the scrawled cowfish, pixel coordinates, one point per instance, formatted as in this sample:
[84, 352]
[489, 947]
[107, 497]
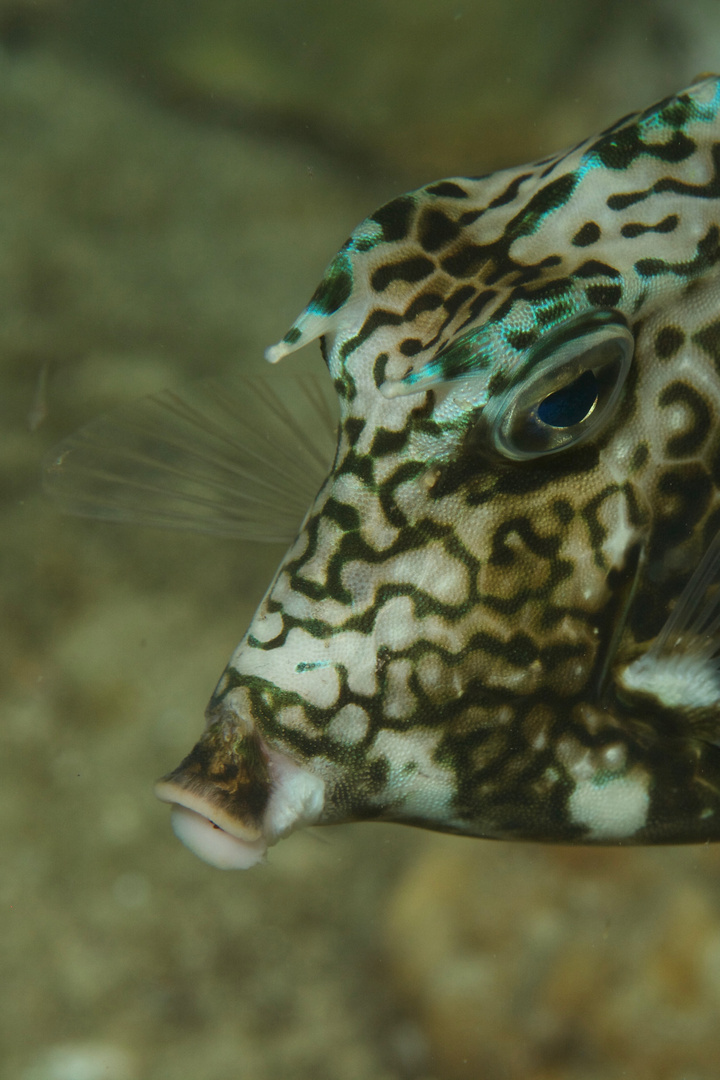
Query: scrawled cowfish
[500, 615]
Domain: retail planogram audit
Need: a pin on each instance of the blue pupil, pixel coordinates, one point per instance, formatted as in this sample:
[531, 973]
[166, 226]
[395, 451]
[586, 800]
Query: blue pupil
[571, 404]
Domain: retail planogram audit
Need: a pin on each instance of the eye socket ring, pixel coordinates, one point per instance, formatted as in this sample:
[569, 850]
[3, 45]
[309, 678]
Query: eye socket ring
[567, 390]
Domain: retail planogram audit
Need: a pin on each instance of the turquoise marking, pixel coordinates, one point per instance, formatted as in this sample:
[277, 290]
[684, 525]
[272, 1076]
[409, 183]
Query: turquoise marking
[335, 288]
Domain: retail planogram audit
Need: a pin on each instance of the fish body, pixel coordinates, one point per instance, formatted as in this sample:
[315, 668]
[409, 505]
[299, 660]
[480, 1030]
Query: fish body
[498, 617]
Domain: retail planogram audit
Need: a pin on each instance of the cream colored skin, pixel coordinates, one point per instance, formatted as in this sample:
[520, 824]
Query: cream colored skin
[461, 635]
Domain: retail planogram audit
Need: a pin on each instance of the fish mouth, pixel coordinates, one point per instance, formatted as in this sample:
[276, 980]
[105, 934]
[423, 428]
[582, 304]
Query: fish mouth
[234, 796]
[213, 836]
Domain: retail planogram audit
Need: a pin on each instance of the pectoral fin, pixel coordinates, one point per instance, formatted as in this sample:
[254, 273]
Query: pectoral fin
[681, 669]
[242, 460]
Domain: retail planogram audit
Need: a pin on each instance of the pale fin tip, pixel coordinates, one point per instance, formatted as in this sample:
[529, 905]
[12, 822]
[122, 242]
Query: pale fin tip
[295, 339]
[275, 353]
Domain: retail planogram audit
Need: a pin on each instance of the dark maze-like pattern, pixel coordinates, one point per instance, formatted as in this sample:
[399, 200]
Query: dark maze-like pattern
[520, 590]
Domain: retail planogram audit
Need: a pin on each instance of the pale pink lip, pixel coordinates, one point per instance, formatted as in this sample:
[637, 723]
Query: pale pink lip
[222, 843]
[201, 821]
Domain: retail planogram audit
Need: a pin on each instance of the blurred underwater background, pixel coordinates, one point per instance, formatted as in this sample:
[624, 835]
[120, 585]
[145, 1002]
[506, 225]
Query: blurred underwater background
[174, 177]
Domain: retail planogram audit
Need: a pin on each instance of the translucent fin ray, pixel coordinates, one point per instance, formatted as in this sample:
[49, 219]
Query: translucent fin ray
[681, 669]
[695, 619]
[241, 459]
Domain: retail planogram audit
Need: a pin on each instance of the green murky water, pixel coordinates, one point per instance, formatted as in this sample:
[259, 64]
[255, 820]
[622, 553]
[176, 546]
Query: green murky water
[173, 178]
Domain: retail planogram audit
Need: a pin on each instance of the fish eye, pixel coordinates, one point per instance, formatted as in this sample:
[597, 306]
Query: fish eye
[572, 404]
[571, 384]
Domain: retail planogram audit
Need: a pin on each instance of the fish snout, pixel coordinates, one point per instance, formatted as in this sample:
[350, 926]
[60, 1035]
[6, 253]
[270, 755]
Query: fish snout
[214, 837]
[234, 796]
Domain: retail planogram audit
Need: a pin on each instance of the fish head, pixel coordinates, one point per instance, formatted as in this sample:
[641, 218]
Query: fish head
[526, 477]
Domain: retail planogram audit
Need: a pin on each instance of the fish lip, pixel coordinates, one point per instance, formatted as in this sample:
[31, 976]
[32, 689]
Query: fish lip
[170, 792]
[224, 843]
[231, 833]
